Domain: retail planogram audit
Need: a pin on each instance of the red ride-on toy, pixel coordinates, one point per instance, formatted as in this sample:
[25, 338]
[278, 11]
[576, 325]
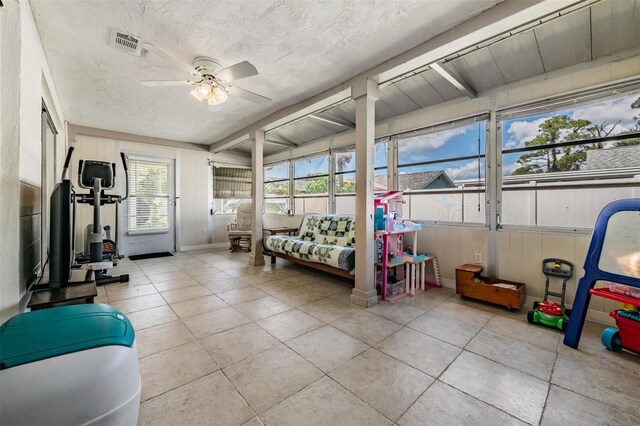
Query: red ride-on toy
[553, 314]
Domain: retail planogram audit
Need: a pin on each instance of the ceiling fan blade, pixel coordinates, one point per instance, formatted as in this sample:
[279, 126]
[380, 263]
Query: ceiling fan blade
[238, 71]
[152, 47]
[250, 96]
[156, 83]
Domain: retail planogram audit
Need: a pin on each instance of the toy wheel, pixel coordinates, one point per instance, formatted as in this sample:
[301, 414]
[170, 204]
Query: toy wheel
[530, 316]
[611, 339]
[535, 305]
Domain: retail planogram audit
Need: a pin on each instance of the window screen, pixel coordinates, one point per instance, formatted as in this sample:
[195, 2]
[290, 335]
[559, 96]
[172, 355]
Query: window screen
[149, 195]
[561, 166]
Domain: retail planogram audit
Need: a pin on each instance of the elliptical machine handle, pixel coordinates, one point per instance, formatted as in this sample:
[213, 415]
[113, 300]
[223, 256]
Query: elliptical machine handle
[126, 175]
[67, 160]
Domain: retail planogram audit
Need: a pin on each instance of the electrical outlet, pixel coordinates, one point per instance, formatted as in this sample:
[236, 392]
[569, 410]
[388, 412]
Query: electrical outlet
[478, 258]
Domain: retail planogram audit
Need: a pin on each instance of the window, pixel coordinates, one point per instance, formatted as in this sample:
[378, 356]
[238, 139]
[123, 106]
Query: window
[149, 195]
[560, 167]
[231, 187]
[311, 184]
[277, 189]
[443, 173]
[345, 177]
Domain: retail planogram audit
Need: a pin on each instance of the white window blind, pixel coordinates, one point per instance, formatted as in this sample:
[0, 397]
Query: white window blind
[149, 195]
[231, 182]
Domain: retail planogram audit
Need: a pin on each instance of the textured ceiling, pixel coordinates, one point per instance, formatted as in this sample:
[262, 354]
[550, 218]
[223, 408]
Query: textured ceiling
[299, 47]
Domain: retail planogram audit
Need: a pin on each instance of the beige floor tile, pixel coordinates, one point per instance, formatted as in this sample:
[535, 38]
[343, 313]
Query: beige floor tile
[187, 293]
[567, 408]
[427, 354]
[172, 368]
[161, 277]
[162, 337]
[396, 312]
[328, 309]
[214, 322]
[254, 421]
[257, 279]
[442, 405]
[175, 284]
[212, 278]
[453, 323]
[298, 296]
[289, 324]
[386, 384]
[238, 344]
[224, 286]
[324, 403]
[327, 348]
[271, 377]
[117, 292]
[209, 400]
[151, 317]
[139, 303]
[514, 392]
[189, 308]
[327, 288]
[158, 270]
[588, 376]
[241, 295]
[515, 353]
[366, 327]
[262, 308]
[342, 297]
[544, 337]
[277, 287]
[135, 279]
[428, 300]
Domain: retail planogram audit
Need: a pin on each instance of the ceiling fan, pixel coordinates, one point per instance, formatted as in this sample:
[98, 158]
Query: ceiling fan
[210, 78]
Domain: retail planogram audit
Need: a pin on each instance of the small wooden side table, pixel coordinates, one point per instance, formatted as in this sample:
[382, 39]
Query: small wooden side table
[281, 230]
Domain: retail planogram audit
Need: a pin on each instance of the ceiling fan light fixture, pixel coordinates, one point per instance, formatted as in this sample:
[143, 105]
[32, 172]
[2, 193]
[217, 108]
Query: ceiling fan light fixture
[212, 101]
[201, 92]
[219, 94]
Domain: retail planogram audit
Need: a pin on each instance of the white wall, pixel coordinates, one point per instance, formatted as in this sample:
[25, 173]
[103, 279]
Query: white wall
[195, 227]
[25, 81]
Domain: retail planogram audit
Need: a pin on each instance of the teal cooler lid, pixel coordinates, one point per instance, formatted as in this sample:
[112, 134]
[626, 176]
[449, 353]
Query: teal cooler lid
[47, 333]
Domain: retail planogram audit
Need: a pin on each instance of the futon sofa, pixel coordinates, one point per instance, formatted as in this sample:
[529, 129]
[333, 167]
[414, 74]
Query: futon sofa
[324, 241]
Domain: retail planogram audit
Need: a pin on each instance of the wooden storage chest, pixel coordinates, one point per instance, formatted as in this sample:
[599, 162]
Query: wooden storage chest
[469, 283]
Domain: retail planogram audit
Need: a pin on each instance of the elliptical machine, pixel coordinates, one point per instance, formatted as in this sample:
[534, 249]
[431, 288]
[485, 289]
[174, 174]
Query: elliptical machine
[98, 176]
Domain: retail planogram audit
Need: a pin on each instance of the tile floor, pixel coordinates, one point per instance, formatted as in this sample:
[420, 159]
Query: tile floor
[223, 343]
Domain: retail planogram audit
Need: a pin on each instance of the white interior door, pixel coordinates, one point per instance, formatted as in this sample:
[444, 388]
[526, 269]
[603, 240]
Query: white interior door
[149, 213]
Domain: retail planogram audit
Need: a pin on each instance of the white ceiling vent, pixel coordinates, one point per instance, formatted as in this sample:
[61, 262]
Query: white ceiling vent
[126, 42]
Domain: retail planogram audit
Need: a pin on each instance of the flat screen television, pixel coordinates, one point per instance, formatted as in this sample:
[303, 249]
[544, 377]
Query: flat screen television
[61, 236]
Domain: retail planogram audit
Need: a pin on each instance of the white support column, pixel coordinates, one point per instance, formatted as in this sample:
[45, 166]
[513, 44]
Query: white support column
[365, 93]
[257, 187]
[493, 184]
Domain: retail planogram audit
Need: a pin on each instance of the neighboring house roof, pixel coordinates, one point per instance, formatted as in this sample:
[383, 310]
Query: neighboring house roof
[425, 180]
[613, 158]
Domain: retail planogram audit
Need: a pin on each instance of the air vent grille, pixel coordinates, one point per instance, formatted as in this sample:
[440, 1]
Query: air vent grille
[126, 42]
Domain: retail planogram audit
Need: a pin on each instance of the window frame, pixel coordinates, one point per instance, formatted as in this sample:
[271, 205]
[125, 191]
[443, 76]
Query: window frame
[479, 188]
[612, 178]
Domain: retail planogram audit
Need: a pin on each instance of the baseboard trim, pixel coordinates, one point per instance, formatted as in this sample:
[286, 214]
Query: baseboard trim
[592, 315]
[204, 246]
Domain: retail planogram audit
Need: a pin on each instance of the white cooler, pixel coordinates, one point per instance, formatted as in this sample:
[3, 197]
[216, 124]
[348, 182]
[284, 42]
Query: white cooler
[72, 365]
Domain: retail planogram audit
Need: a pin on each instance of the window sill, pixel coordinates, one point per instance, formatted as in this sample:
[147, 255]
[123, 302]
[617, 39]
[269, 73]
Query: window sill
[148, 232]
